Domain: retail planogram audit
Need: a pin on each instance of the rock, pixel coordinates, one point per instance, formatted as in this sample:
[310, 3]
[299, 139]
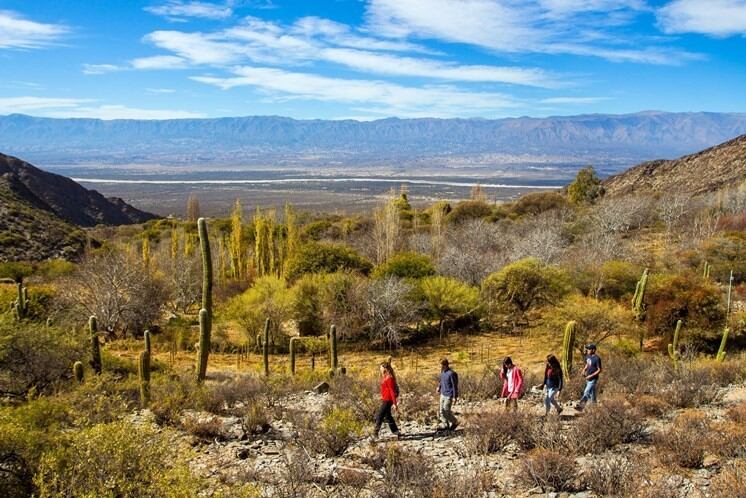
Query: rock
[710, 461]
[321, 388]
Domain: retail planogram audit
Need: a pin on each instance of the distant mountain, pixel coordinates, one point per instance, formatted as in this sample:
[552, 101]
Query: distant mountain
[268, 139]
[67, 199]
[706, 171]
[40, 213]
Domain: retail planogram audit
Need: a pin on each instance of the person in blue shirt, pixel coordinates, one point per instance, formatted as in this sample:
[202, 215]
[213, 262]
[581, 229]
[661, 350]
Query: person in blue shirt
[591, 371]
[448, 390]
[553, 382]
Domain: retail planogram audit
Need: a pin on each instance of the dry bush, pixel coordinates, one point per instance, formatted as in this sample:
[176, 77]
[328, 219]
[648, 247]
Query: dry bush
[492, 431]
[472, 482]
[685, 441]
[550, 434]
[294, 478]
[737, 413]
[418, 401]
[607, 424]
[225, 397]
[479, 386]
[731, 481]
[664, 487]
[359, 396]
[330, 433]
[208, 429]
[613, 476]
[256, 419]
[651, 406]
[402, 472]
[548, 469]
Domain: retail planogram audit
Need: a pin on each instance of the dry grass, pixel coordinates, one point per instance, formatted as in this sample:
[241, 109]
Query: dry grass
[493, 431]
[731, 481]
[685, 441]
[607, 424]
[615, 475]
[548, 469]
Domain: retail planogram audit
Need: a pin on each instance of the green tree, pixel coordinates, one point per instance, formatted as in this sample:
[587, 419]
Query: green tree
[405, 265]
[586, 187]
[270, 298]
[308, 305]
[520, 286]
[319, 257]
[448, 298]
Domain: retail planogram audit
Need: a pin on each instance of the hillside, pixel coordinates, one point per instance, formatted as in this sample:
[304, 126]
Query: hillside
[67, 199]
[702, 172]
[258, 140]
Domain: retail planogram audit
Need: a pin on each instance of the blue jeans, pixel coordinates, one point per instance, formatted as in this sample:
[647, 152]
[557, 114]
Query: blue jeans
[590, 391]
[551, 399]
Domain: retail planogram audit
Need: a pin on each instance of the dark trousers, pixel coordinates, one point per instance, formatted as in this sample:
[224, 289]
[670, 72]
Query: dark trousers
[384, 413]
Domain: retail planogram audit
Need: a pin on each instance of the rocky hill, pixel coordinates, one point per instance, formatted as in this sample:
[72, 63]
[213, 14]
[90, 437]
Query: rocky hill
[41, 213]
[706, 171]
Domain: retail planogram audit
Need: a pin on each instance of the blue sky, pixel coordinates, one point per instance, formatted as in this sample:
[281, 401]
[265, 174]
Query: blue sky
[370, 59]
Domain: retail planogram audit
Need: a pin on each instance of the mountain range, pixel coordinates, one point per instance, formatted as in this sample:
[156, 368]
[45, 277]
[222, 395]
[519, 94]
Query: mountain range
[627, 138]
[41, 212]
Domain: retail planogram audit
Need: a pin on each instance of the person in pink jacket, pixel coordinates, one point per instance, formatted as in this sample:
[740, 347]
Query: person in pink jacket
[512, 384]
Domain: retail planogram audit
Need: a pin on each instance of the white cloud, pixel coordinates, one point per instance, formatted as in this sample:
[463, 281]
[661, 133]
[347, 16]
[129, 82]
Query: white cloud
[160, 90]
[376, 96]
[101, 68]
[17, 32]
[81, 108]
[711, 17]
[573, 100]
[592, 28]
[180, 9]
[159, 62]
[198, 48]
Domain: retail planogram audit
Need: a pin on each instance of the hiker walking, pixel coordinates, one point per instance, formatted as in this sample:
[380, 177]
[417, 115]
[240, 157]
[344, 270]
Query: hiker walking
[389, 395]
[591, 370]
[553, 383]
[512, 383]
[448, 390]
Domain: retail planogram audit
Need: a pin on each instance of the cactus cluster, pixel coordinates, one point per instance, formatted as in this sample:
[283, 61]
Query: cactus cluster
[95, 346]
[568, 344]
[332, 352]
[638, 306]
[673, 348]
[205, 314]
[20, 306]
[721, 350]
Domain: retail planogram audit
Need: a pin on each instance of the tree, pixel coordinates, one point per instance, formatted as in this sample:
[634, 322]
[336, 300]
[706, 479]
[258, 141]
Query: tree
[235, 247]
[307, 304]
[390, 309]
[469, 210]
[405, 265]
[447, 298]
[586, 187]
[386, 228]
[475, 249]
[520, 286]
[124, 294]
[319, 257]
[270, 298]
[192, 209]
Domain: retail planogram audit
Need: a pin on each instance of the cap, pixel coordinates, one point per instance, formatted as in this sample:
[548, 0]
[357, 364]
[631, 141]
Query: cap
[591, 347]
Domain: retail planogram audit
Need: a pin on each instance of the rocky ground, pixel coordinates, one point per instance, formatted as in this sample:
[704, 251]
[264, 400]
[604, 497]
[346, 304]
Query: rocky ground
[238, 456]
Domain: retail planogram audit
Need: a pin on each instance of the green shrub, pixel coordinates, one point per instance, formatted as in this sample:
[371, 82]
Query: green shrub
[535, 203]
[405, 265]
[725, 253]
[447, 298]
[318, 257]
[586, 187]
[307, 304]
[332, 435]
[117, 459]
[469, 210]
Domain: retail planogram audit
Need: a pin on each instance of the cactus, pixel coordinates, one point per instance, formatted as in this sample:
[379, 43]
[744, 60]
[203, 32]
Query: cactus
[673, 349]
[143, 373]
[148, 346]
[21, 303]
[78, 372]
[638, 306]
[293, 342]
[568, 344]
[265, 348]
[706, 271]
[95, 346]
[333, 347]
[721, 351]
[205, 314]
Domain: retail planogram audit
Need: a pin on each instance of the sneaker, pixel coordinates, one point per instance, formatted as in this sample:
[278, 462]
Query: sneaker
[559, 411]
[453, 426]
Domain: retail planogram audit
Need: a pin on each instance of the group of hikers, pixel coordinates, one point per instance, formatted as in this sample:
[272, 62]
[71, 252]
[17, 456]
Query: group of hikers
[512, 389]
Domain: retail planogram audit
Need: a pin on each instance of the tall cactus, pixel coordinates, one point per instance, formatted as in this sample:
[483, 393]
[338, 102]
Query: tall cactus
[265, 347]
[721, 351]
[78, 372]
[95, 346]
[706, 270]
[638, 306]
[205, 314]
[293, 342]
[148, 346]
[333, 347]
[21, 304]
[568, 344]
[673, 349]
[143, 373]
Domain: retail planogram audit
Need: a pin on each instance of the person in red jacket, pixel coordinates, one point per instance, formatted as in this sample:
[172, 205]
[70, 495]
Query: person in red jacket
[389, 395]
[512, 383]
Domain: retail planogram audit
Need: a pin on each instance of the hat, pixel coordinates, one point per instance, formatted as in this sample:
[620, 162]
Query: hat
[591, 347]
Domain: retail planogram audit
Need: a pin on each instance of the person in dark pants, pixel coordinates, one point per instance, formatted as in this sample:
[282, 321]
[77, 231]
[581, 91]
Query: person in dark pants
[448, 390]
[591, 371]
[553, 382]
[389, 395]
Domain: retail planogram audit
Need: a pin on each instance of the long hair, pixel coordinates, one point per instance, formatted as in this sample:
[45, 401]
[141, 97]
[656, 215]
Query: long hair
[389, 369]
[507, 361]
[554, 363]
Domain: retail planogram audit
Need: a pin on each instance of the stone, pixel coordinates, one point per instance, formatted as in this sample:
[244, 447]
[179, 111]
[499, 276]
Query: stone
[321, 388]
